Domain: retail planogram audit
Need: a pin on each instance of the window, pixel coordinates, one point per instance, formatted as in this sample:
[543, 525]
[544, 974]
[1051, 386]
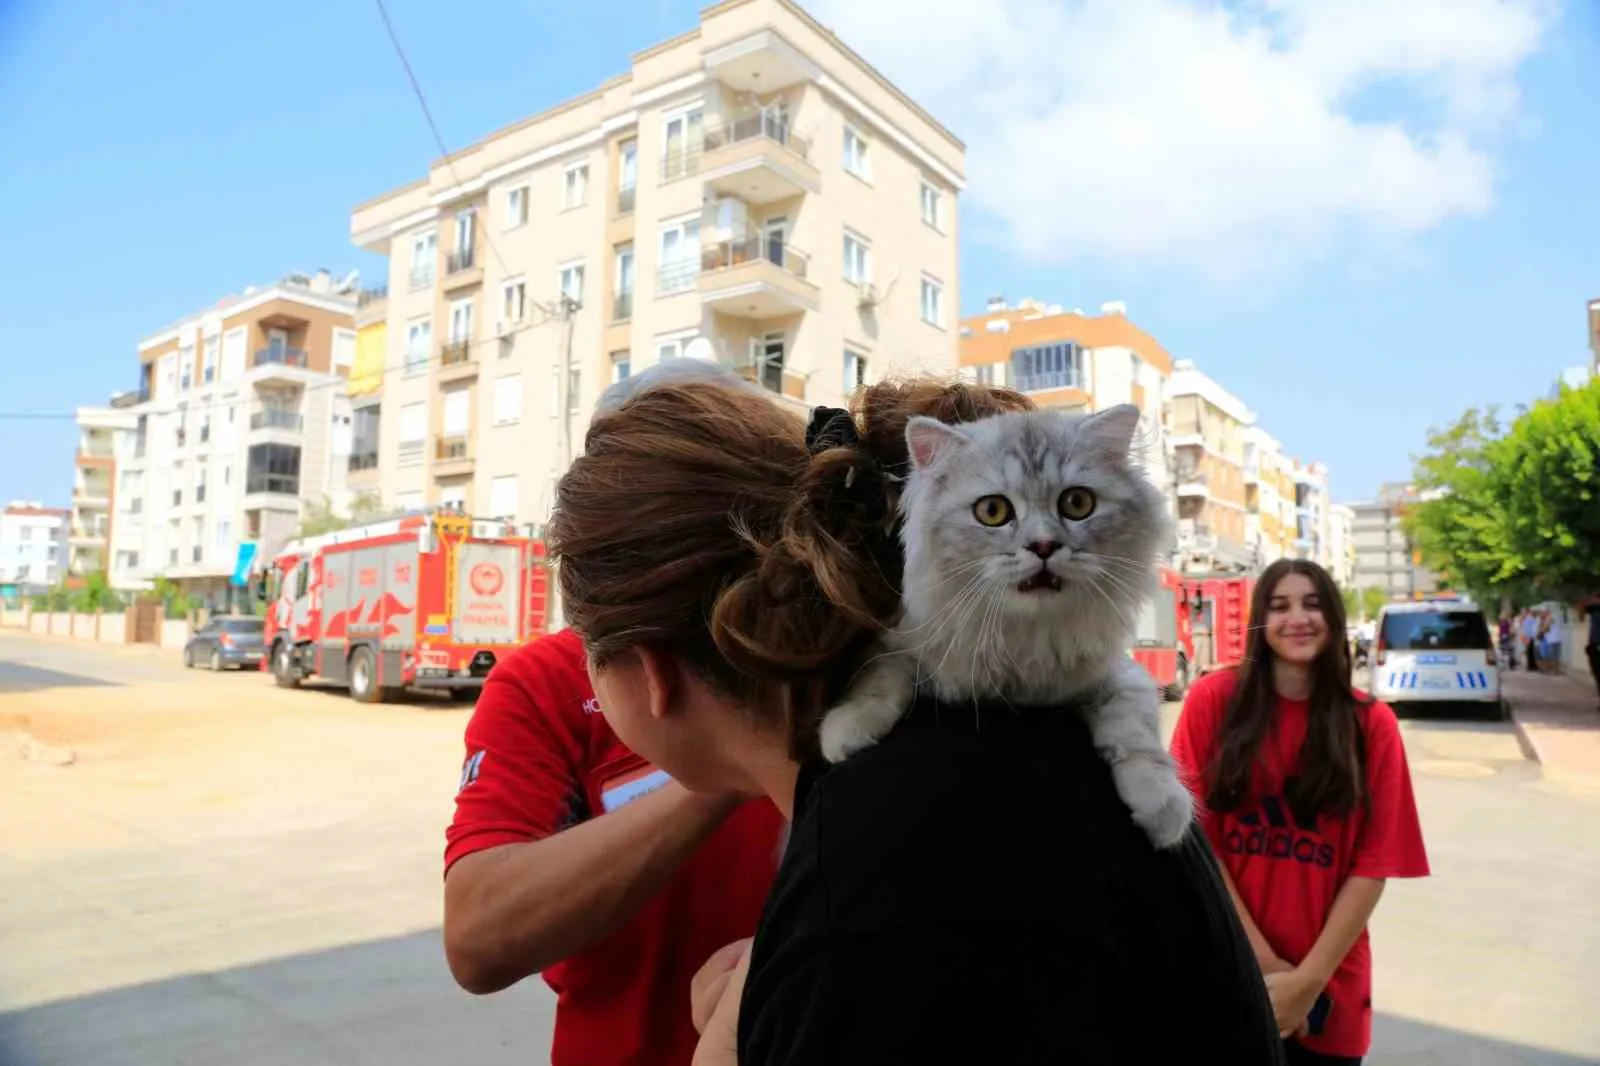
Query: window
[419, 339]
[205, 427]
[682, 135]
[507, 399]
[344, 348]
[572, 282]
[932, 207]
[503, 497]
[463, 256]
[855, 153]
[413, 432]
[575, 185]
[513, 300]
[516, 207]
[857, 259]
[364, 437]
[408, 501]
[621, 366]
[453, 497]
[932, 302]
[627, 175]
[574, 391]
[855, 371]
[457, 413]
[622, 308]
[1434, 630]
[672, 347]
[200, 485]
[208, 360]
[461, 322]
[234, 345]
[680, 256]
[185, 368]
[273, 468]
[424, 247]
[766, 355]
[1047, 366]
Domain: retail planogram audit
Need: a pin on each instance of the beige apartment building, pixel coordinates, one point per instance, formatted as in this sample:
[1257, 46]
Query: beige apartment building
[751, 192]
[1075, 361]
[240, 421]
[1208, 428]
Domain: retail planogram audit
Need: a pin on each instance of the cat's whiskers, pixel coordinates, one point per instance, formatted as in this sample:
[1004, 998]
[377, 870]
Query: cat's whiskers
[972, 603]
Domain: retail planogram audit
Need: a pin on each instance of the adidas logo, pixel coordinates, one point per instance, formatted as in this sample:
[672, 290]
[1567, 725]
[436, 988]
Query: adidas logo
[1272, 832]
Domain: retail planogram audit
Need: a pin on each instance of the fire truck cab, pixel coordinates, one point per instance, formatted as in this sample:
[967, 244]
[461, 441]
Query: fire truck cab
[1194, 624]
[428, 600]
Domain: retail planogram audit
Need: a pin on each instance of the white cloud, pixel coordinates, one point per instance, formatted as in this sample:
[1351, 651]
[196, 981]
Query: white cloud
[1236, 140]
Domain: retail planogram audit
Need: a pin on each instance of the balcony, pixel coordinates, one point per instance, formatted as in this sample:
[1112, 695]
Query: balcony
[272, 492]
[452, 455]
[462, 269]
[758, 158]
[681, 161]
[421, 278]
[277, 419]
[279, 364]
[372, 305]
[360, 461]
[456, 362]
[1193, 483]
[756, 278]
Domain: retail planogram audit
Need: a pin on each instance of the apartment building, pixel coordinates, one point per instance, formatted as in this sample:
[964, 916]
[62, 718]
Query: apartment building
[1075, 361]
[240, 421]
[751, 192]
[1384, 556]
[33, 547]
[1341, 561]
[94, 489]
[1208, 428]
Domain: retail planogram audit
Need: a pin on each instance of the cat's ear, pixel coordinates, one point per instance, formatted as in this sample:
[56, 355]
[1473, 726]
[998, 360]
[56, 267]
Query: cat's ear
[928, 438]
[1112, 430]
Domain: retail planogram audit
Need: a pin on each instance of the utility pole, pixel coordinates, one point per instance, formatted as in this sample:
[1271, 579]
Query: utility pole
[557, 616]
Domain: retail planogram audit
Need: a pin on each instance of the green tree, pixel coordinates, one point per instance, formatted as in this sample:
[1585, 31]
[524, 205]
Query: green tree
[95, 594]
[321, 516]
[1373, 599]
[1551, 462]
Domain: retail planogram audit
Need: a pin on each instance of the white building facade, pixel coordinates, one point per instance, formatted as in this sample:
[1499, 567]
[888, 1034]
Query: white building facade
[33, 546]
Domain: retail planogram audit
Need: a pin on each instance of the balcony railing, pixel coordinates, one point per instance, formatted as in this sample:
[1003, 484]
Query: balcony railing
[454, 353]
[680, 162]
[274, 419]
[421, 277]
[131, 398]
[376, 294]
[750, 125]
[622, 306]
[281, 357]
[751, 248]
[459, 261]
[627, 196]
[363, 461]
[676, 276]
[452, 448]
[285, 484]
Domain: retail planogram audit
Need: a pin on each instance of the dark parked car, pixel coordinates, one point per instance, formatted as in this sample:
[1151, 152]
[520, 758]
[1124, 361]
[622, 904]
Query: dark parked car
[226, 640]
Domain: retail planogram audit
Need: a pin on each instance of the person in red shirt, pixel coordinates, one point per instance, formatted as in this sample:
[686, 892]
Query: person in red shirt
[1302, 786]
[572, 857]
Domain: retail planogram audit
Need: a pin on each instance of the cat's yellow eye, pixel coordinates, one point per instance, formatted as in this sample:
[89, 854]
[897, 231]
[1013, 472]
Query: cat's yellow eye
[992, 510]
[1076, 504]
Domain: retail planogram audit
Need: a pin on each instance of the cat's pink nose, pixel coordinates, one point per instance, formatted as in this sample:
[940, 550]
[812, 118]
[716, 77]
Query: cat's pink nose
[1044, 548]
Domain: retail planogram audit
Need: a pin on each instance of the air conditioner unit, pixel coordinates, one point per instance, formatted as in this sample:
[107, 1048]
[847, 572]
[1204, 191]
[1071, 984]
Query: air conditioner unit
[866, 295]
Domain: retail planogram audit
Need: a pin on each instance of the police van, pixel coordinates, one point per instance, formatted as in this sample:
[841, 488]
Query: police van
[1436, 655]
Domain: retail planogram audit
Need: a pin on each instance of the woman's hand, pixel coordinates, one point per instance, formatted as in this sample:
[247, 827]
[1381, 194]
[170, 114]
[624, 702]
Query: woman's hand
[715, 993]
[1293, 994]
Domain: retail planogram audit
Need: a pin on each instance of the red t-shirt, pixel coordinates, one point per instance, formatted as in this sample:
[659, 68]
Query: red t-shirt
[540, 758]
[1289, 872]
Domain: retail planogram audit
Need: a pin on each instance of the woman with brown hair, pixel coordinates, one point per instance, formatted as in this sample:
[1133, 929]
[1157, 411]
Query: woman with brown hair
[966, 890]
[1307, 799]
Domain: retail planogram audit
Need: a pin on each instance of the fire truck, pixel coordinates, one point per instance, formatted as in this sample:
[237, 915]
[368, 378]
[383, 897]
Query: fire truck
[428, 600]
[1193, 625]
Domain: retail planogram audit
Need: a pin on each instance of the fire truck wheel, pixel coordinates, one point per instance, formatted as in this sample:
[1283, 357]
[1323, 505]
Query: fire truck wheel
[283, 667]
[364, 677]
[1180, 683]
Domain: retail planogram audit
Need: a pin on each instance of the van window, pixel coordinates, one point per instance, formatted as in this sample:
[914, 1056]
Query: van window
[1463, 630]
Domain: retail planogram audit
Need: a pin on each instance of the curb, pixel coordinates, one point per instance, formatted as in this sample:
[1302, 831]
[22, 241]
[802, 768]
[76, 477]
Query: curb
[1530, 750]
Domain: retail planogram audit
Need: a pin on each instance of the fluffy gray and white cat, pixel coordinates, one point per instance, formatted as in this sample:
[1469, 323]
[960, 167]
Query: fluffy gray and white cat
[1031, 544]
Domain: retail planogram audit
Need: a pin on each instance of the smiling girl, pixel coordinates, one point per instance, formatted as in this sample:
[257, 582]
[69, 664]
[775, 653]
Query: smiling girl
[1303, 788]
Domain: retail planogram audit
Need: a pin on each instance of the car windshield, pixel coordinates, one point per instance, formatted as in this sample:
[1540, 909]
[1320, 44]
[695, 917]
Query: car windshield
[247, 626]
[1435, 631]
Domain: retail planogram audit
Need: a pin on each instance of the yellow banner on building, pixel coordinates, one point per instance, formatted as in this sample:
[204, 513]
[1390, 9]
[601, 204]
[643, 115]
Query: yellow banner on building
[372, 346]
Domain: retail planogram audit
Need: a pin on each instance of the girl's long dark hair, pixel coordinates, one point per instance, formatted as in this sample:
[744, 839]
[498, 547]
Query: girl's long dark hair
[1331, 775]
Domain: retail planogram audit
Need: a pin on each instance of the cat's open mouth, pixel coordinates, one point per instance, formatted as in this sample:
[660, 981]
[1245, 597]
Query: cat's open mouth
[1043, 581]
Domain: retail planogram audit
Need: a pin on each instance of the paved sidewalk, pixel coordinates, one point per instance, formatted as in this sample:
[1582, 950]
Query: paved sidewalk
[1558, 718]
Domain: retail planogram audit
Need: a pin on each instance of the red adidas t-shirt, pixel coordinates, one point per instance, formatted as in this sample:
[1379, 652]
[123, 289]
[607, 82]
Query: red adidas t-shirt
[1289, 872]
[540, 758]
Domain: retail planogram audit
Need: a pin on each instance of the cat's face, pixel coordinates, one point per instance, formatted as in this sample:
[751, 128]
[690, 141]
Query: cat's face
[1037, 515]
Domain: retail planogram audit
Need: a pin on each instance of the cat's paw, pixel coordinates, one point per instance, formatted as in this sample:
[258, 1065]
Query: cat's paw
[844, 732]
[1160, 803]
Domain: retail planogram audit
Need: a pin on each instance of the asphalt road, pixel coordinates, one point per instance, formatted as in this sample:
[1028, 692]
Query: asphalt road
[236, 873]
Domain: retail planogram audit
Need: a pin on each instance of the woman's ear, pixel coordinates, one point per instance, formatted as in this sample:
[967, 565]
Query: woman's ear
[662, 676]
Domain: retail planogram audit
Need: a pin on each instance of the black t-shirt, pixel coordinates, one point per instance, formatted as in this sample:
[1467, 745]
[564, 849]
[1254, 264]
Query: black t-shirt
[972, 890]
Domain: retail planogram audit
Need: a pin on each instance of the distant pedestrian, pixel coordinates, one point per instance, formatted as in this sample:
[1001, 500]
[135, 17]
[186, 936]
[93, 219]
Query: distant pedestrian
[1507, 642]
[1530, 639]
[1302, 786]
[1591, 647]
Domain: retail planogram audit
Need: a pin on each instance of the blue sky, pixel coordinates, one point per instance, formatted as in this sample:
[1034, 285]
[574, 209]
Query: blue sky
[159, 155]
